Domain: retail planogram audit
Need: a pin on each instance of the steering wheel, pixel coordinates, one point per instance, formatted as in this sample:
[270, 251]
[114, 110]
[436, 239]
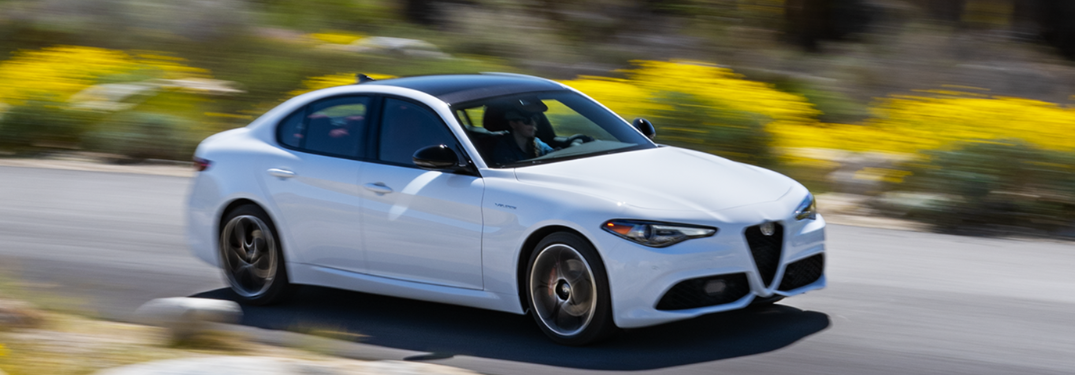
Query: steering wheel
[578, 139]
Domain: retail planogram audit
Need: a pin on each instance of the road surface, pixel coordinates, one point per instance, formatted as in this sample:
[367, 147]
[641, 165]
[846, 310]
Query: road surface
[899, 302]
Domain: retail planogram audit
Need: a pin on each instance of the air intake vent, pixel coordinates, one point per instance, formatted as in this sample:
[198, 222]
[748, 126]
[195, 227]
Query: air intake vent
[803, 272]
[765, 245]
[705, 291]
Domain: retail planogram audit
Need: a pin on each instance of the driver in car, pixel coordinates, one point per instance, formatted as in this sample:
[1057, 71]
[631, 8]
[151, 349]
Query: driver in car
[521, 143]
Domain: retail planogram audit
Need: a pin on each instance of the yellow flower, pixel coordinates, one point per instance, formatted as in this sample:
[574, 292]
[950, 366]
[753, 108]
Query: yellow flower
[910, 124]
[56, 73]
[635, 96]
[336, 37]
[3, 351]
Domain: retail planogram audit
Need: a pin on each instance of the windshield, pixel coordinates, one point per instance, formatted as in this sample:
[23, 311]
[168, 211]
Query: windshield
[534, 128]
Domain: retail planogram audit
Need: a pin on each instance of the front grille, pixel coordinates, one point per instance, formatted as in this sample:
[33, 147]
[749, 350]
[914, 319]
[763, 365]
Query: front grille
[803, 272]
[705, 291]
[766, 250]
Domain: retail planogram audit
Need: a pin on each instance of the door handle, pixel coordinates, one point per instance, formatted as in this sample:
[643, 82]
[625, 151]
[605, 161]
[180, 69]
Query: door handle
[282, 173]
[378, 187]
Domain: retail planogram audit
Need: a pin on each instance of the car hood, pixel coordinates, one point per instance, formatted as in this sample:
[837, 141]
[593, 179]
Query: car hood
[666, 178]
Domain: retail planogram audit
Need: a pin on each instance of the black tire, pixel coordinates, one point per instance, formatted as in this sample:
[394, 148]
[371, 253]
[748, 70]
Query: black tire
[560, 302]
[251, 256]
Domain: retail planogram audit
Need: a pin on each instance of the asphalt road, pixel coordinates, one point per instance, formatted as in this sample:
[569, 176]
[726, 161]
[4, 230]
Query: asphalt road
[898, 302]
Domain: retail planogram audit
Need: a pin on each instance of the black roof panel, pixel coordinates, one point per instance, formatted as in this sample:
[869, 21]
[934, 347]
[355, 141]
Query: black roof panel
[456, 88]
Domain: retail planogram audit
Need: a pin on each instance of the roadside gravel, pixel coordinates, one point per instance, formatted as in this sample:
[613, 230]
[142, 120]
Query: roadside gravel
[59, 343]
[235, 365]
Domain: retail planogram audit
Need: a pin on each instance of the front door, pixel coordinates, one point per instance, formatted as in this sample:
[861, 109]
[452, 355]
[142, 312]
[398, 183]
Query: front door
[419, 225]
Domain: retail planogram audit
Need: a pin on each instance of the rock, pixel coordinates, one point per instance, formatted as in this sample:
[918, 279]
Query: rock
[186, 317]
[842, 204]
[396, 46]
[905, 202]
[861, 173]
[18, 314]
[854, 175]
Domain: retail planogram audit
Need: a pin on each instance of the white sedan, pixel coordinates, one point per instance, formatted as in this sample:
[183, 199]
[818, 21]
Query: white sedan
[497, 191]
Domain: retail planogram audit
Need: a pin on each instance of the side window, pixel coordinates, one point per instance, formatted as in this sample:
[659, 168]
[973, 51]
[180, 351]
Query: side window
[290, 131]
[407, 127]
[337, 126]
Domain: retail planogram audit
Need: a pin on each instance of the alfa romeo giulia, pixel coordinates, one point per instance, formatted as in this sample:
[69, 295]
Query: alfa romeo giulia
[497, 191]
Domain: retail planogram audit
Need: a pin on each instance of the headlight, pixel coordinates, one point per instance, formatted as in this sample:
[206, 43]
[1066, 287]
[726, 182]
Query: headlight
[807, 209]
[656, 234]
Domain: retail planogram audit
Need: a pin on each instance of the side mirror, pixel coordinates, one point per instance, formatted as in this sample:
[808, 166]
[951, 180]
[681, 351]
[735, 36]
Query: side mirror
[438, 157]
[645, 127]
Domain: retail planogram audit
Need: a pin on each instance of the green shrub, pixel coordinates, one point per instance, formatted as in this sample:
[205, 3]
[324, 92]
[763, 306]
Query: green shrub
[143, 135]
[834, 106]
[38, 125]
[689, 122]
[1007, 183]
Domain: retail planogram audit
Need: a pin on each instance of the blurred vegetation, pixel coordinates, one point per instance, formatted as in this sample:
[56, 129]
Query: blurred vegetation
[811, 88]
[982, 184]
[703, 107]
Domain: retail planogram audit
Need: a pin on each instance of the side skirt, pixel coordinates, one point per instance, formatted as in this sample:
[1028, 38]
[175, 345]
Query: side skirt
[334, 278]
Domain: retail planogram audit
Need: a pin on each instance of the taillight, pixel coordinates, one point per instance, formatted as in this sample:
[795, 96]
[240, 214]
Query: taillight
[201, 164]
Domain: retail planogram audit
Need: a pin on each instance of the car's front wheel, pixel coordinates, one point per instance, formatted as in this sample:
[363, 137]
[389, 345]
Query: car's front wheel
[568, 290]
[250, 256]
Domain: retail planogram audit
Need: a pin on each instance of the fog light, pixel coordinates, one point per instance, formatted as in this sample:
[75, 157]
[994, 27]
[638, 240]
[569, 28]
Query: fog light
[714, 287]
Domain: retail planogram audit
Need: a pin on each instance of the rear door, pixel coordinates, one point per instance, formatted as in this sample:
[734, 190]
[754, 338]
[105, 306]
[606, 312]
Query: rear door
[315, 185]
[419, 225]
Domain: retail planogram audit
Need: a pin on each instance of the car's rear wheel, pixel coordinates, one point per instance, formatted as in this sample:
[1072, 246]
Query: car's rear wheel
[568, 290]
[250, 256]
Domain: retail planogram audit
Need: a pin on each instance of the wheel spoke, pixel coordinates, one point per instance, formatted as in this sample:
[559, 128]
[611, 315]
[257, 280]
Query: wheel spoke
[231, 254]
[260, 273]
[564, 318]
[575, 271]
[239, 234]
[242, 276]
[238, 253]
[547, 303]
[581, 292]
[257, 249]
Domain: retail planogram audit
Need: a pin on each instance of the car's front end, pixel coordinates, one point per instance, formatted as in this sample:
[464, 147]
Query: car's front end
[683, 234]
[757, 252]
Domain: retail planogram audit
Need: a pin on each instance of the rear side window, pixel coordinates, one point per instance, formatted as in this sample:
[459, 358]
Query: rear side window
[407, 127]
[292, 128]
[335, 126]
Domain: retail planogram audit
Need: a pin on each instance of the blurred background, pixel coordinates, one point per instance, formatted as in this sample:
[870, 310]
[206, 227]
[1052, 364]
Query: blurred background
[954, 113]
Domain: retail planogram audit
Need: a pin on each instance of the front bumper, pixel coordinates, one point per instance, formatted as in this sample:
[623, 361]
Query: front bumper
[640, 277]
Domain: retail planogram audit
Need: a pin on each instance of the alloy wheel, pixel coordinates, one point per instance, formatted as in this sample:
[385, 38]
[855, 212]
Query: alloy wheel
[562, 289]
[249, 254]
